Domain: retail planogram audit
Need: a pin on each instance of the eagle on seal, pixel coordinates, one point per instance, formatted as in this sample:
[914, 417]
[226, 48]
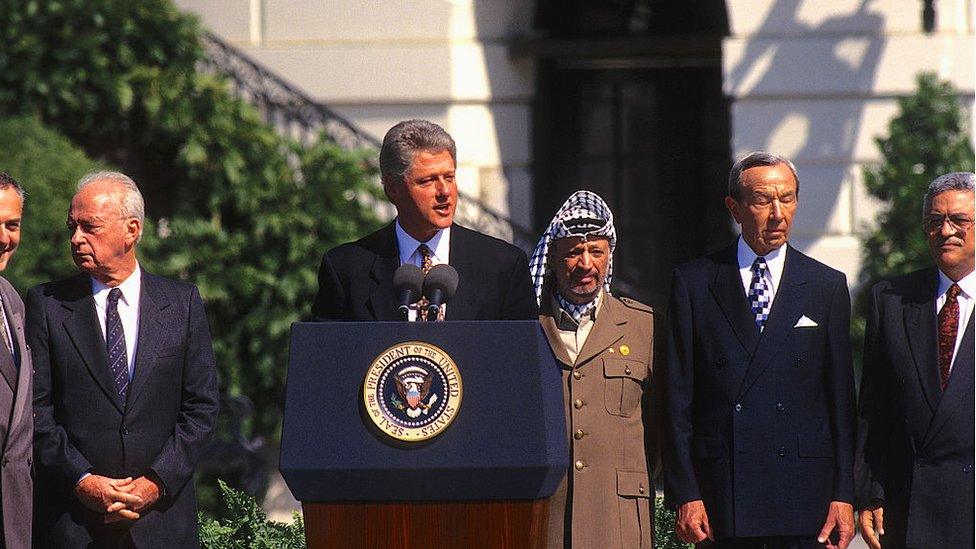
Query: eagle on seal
[413, 386]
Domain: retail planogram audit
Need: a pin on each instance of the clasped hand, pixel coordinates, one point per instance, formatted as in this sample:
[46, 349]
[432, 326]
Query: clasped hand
[117, 498]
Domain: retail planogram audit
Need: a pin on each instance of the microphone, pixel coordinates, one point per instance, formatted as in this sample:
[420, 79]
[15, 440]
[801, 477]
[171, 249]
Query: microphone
[439, 287]
[408, 280]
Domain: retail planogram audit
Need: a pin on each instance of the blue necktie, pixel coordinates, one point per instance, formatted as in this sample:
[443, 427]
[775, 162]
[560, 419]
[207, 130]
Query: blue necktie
[118, 361]
[759, 298]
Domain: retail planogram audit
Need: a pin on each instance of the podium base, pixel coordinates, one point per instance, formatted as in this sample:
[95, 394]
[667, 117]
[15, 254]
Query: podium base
[431, 525]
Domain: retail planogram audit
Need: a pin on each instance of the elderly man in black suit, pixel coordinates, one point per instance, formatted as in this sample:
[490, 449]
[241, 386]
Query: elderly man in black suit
[418, 160]
[125, 390]
[915, 437]
[759, 392]
[16, 419]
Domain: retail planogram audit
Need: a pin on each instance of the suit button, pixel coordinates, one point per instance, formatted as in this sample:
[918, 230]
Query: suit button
[577, 374]
[579, 465]
[738, 407]
[721, 362]
[781, 451]
[579, 434]
[798, 362]
[577, 404]
[125, 430]
[967, 468]
[919, 463]
[780, 407]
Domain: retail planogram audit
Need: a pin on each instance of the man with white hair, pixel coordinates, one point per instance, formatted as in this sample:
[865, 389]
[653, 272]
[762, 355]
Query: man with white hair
[915, 438]
[605, 347]
[125, 389]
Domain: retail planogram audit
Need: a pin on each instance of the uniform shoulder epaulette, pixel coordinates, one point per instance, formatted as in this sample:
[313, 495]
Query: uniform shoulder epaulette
[637, 305]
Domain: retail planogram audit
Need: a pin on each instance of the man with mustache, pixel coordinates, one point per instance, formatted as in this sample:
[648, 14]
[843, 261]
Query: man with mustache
[915, 437]
[418, 160]
[605, 347]
[759, 392]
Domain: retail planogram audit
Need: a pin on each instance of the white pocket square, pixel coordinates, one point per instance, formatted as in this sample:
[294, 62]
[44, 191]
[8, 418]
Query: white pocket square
[805, 322]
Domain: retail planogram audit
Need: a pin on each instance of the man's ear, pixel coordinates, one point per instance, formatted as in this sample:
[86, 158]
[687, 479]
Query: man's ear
[391, 188]
[733, 207]
[133, 228]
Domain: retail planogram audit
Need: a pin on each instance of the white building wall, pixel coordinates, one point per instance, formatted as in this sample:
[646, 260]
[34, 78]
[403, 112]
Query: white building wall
[379, 62]
[815, 80]
[818, 80]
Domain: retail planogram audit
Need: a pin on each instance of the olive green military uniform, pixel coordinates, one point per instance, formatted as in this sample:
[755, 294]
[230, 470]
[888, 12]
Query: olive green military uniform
[606, 499]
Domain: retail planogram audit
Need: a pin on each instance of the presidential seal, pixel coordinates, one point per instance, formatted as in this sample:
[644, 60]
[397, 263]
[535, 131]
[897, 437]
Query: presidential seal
[412, 391]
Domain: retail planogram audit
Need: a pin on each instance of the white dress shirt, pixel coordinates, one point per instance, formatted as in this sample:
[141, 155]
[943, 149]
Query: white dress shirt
[128, 309]
[775, 260]
[440, 247]
[965, 299]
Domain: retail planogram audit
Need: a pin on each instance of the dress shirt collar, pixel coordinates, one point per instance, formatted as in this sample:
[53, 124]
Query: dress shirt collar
[775, 260]
[440, 245]
[967, 284]
[131, 287]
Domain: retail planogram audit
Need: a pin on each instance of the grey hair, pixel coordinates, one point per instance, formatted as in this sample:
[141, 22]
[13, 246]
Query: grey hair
[956, 181]
[751, 160]
[8, 182]
[131, 203]
[405, 140]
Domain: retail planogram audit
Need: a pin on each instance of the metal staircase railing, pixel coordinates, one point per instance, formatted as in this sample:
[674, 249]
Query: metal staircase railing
[296, 114]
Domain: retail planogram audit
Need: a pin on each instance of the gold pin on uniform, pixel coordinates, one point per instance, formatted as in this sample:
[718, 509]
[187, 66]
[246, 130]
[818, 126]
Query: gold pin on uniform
[624, 350]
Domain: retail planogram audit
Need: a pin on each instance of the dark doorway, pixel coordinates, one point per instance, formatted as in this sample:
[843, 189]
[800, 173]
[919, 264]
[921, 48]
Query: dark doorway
[640, 118]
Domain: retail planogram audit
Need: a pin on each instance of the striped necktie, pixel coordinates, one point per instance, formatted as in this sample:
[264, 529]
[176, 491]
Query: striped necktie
[118, 361]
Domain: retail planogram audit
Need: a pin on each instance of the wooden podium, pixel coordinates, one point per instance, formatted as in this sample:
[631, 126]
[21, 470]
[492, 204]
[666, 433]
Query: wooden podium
[483, 480]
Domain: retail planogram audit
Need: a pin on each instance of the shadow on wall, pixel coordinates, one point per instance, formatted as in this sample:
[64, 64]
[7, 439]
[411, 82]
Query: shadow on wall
[508, 185]
[807, 101]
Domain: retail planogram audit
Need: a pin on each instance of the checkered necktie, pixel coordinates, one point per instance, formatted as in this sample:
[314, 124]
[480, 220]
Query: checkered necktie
[118, 361]
[948, 329]
[426, 262]
[759, 299]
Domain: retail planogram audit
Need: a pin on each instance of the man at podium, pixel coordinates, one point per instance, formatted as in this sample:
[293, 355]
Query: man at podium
[417, 163]
[605, 347]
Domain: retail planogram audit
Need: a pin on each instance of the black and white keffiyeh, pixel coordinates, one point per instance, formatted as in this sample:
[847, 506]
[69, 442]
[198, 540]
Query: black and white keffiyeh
[584, 214]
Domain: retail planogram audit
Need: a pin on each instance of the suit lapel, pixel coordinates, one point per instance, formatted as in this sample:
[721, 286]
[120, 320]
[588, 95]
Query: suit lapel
[23, 398]
[82, 327]
[552, 334]
[152, 302]
[731, 298]
[788, 305]
[606, 331]
[463, 257]
[921, 333]
[960, 385]
[382, 301]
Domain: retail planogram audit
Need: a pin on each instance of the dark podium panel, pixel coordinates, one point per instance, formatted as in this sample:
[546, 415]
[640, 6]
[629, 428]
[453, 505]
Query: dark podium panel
[482, 480]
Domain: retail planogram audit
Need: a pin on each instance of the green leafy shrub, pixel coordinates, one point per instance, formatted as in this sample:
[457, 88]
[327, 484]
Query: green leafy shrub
[233, 206]
[664, 534]
[246, 526]
[928, 138]
[48, 166]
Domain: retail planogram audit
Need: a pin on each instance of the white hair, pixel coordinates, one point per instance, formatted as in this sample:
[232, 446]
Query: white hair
[131, 203]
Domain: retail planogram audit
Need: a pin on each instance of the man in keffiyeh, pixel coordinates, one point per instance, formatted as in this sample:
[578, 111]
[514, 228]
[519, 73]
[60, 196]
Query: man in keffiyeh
[605, 348]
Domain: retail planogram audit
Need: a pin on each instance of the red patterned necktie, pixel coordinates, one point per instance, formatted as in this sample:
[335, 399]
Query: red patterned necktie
[948, 328]
[426, 262]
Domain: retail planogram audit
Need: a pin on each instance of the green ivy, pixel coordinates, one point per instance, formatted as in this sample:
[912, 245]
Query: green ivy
[246, 526]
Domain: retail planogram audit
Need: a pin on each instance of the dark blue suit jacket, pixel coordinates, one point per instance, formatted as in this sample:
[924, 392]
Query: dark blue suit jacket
[81, 424]
[356, 279]
[759, 426]
[915, 442]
